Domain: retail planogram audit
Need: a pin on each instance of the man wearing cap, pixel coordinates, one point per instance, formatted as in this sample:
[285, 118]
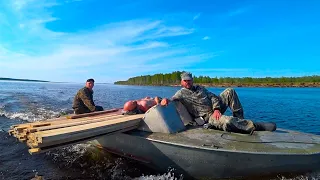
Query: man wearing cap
[83, 101]
[209, 107]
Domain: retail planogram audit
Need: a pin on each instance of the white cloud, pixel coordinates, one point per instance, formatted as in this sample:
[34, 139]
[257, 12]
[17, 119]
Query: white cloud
[206, 38]
[238, 11]
[37, 52]
[196, 16]
[71, 1]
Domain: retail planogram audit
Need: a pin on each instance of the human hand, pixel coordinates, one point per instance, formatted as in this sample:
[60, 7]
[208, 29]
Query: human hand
[157, 99]
[164, 102]
[216, 114]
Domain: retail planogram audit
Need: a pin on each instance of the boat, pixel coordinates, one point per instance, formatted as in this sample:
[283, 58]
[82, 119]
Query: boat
[164, 140]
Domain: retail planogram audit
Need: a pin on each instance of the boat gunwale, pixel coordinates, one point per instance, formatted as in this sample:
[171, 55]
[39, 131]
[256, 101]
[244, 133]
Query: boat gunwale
[232, 151]
[226, 150]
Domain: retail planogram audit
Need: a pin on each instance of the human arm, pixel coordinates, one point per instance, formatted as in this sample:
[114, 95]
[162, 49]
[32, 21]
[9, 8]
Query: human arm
[157, 99]
[215, 103]
[86, 99]
[176, 96]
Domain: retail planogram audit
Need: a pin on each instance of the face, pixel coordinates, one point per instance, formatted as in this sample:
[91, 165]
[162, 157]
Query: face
[89, 84]
[187, 83]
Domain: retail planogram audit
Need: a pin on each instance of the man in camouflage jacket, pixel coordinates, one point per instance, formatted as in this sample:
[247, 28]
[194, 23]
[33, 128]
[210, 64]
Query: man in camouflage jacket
[83, 101]
[204, 104]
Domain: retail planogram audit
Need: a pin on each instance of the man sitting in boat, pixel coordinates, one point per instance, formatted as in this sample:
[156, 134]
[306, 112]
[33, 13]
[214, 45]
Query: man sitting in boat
[140, 106]
[83, 101]
[205, 105]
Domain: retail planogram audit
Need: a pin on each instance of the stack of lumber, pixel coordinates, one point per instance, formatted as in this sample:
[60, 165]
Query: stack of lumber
[49, 134]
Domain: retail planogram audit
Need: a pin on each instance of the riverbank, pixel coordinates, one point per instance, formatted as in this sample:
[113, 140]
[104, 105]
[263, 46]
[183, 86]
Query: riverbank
[264, 85]
[26, 80]
[239, 85]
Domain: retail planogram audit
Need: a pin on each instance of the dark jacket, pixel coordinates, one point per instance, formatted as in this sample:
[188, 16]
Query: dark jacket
[83, 101]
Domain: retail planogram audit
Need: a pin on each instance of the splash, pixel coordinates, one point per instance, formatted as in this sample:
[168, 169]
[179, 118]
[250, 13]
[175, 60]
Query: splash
[69, 154]
[308, 176]
[37, 114]
[32, 107]
[91, 162]
[167, 176]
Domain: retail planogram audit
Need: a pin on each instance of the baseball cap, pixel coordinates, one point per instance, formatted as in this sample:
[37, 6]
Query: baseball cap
[186, 76]
[90, 80]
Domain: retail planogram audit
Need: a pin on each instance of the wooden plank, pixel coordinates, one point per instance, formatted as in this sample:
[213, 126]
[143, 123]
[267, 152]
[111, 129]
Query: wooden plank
[62, 118]
[22, 132]
[46, 138]
[71, 136]
[32, 125]
[29, 123]
[19, 129]
[10, 132]
[34, 151]
[61, 145]
[84, 118]
[91, 114]
[22, 140]
[71, 123]
[20, 135]
[32, 144]
[88, 126]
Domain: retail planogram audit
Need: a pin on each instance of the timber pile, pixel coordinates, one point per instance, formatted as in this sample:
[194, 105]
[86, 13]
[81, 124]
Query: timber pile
[49, 134]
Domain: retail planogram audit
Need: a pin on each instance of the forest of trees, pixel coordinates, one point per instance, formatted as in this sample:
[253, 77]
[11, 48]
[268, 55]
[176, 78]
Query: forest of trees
[174, 79]
[13, 79]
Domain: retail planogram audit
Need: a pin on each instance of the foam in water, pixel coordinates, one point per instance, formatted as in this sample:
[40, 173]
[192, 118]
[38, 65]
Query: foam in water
[32, 116]
[308, 176]
[167, 176]
[92, 163]
[70, 153]
[101, 165]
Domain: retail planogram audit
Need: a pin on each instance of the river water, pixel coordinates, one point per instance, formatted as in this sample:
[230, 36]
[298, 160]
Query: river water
[21, 102]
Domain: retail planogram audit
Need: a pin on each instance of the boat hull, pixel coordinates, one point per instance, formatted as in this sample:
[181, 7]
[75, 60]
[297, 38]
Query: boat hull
[210, 160]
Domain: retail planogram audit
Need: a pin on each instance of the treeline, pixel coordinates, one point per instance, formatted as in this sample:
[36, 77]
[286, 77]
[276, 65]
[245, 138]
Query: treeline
[12, 79]
[174, 79]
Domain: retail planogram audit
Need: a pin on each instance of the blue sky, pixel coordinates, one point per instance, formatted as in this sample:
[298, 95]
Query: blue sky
[72, 40]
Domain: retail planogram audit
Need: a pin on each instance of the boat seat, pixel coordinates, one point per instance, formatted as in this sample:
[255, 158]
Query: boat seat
[166, 119]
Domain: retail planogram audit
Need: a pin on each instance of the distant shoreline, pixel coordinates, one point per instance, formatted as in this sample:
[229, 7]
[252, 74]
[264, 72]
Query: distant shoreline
[174, 78]
[301, 85]
[25, 80]
[225, 85]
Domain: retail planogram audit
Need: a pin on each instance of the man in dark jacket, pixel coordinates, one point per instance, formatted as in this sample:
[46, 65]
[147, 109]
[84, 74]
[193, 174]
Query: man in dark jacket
[83, 101]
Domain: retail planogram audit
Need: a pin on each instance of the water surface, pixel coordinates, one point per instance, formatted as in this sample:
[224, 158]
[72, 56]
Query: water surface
[20, 102]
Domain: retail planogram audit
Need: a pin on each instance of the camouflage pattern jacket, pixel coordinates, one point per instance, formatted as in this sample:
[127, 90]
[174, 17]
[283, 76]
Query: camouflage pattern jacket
[84, 100]
[198, 100]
